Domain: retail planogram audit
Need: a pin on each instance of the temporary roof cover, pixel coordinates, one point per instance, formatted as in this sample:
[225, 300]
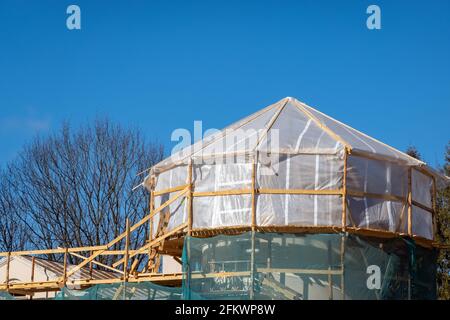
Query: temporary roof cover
[291, 165]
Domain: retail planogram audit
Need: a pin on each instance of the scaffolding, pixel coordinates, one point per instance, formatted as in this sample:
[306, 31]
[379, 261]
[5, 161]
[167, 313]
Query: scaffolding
[294, 170]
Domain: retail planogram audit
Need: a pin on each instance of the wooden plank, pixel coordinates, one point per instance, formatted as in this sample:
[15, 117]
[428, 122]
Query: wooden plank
[33, 266]
[344, 188]
[200, 275]
[343, 265]
[189, 199]
[270, 124]
[300, 191]
[177, 259]
[421, 206]
[152, 243]
[409, 202]
[51, 251]
[164, 205]
[387, 197]
[222, 193]
[170, 190]
[434, 203]
[121, 236]
[253, 212]
[127, 247]
[90, 266]
[151, 226]
[134, 266]
[319, 123]
[97, 263]
[8, 262]
[65, 267]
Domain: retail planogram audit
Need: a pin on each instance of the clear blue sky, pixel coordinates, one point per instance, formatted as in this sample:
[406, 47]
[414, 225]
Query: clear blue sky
[160, 65]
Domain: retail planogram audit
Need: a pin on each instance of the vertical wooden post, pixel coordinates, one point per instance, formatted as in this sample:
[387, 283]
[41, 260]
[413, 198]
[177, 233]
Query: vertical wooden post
[254, 195]
[127, 248]
[150, 227]
[343, 265]
[410, 232]
[33, 266]
[65, 267]
[189, 198]
[252, 267]
[434, 204]
[344, 191]
[151, 208]
[8, 262]
[330, 276]
[409, 201]
[269, 256]
[91, 265]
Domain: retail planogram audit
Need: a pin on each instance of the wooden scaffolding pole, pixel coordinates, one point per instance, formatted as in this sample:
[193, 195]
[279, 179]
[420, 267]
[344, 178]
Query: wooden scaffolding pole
[434, 205]
[252, 267]
[8, 262]
[127, 248]
[254, 195]
[344, 191]
[64, 278]
[33, 266]
[409, 202]
[91, 266]
[189, 199]
[330, 277]
[150, 224]
[343, 265]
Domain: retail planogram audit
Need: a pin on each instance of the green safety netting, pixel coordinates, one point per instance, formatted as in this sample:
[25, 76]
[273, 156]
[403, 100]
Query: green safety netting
[122, 291]
[307, 266]
[5, 296]
[288, 266]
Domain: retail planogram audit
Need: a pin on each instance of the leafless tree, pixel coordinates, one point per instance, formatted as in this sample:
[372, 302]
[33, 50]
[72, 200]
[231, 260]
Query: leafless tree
[14, 234]
[74, 188]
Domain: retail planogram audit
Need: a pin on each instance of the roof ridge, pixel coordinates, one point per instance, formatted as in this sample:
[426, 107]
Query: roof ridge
[365, 135]
[301, 106]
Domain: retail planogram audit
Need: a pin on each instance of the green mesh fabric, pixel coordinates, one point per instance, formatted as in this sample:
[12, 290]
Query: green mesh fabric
[5, 296]
[306, 267]
[279, 266]
[122, 291]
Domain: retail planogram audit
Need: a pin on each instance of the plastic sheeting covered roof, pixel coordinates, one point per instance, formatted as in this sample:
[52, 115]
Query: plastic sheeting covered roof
[301, 129]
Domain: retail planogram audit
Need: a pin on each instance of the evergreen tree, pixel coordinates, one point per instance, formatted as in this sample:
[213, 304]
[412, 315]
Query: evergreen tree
[413, 152]
[443, 233]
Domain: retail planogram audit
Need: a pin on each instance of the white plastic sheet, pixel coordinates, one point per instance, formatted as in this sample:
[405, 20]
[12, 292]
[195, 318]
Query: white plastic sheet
[222, 211]
[303, 171]
[422, 223]
[375, 176]
[295, 148]
[302, 210]
[378, 214]
[421, 188]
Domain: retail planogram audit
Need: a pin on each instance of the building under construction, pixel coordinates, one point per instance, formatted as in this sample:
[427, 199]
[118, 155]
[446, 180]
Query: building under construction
[286, 203]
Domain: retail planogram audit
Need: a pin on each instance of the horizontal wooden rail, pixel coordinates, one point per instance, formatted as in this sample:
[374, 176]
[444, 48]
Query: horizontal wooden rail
[327, 192]
[51, 251]
[421, 206]
[170, 190]
[123, 235]
[382, 196]
[152, 243]
[97, 263]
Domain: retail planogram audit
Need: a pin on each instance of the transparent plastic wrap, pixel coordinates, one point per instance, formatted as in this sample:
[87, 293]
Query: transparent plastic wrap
[422, 188]
[378, 214]
[300, 210]
[222, 211]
